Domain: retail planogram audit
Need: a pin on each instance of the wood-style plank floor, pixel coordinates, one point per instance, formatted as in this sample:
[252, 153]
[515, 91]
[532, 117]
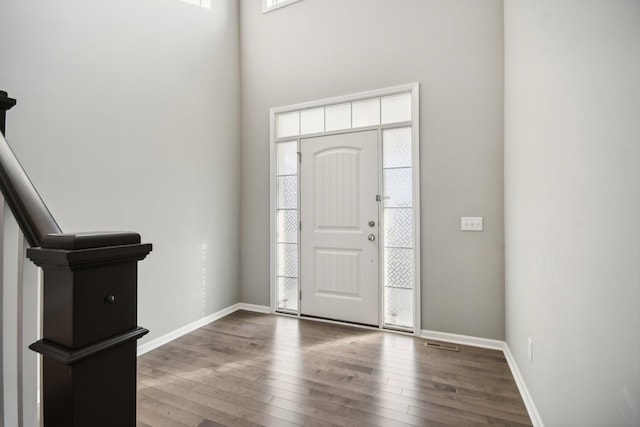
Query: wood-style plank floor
[251, 369]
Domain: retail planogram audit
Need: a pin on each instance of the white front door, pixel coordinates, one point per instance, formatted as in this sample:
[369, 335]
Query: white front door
[339, 214]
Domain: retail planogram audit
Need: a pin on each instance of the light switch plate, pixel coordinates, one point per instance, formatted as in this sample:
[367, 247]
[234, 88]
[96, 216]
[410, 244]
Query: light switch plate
[471, 223]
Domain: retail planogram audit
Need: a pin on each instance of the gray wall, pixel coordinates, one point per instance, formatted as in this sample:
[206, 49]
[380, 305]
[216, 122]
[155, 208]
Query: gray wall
[572, 175]
[323, 48]
[127, 119]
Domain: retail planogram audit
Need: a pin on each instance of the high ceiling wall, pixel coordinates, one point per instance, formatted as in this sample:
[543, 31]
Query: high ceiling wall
[128, 119]
[316, 49]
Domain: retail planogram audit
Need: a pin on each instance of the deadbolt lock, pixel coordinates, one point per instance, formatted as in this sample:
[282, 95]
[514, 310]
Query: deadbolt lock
[372, 223]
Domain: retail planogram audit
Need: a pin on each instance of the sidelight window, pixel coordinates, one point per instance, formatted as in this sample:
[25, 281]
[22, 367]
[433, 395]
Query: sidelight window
[398, 240]
[287, 226]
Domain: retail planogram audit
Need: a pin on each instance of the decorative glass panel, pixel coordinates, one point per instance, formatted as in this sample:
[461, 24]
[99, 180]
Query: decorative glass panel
[398, 268]
[366, 113]
[338, 117]
[287, 293]
[396, 151]
[287, 158]
[287, 228]
[398, 187]
[312, 121]
[398, 227]
[287, 213]
[287, 260]
[396, 108]
[398, 307]
[287, 192]
[288, 124]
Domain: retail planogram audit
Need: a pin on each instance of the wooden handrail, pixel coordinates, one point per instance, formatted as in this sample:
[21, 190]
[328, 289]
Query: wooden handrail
[25, 203]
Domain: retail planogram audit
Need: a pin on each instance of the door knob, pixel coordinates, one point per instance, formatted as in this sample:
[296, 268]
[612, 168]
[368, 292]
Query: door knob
[371, 237]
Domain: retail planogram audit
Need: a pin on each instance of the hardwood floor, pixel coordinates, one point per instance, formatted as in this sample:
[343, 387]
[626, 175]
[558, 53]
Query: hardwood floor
[251, 369]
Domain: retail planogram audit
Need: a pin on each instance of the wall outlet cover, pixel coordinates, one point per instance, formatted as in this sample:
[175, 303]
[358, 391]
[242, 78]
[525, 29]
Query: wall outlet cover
[471, 223]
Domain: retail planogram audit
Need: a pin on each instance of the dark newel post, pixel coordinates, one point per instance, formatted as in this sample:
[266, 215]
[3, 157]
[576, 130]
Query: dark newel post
[6, 104]
[90, 328]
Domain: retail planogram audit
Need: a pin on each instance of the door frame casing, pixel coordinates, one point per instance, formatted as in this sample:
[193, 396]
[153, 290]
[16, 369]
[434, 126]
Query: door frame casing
[414, 89]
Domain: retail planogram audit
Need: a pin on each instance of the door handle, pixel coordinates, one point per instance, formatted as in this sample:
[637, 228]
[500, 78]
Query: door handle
[371, 237]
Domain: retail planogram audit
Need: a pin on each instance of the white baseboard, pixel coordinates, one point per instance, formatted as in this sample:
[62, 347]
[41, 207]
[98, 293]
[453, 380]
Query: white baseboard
[463, 339]
[160, 341]
[255, 308]
[493, 345]
[155, 343]
[522, 387]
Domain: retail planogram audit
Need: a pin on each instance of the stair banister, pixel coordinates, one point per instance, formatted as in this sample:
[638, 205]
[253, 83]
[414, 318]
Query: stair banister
[89, 307]
[26, 204]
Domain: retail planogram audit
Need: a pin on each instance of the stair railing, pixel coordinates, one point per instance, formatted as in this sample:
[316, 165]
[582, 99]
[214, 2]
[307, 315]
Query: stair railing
[80, 308]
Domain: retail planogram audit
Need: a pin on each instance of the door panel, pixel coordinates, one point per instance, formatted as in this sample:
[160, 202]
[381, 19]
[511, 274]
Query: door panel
[339, 184]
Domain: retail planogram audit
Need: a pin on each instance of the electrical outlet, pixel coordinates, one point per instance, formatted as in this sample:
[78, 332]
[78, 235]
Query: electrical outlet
[471, 223]
[530, 350]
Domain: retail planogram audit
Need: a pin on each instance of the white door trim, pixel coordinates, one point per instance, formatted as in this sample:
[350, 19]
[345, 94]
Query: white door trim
[412, 88]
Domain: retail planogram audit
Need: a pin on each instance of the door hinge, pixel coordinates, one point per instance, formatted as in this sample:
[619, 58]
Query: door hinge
[380, 198]
[300, 225]
[299, 157]
[300, 294]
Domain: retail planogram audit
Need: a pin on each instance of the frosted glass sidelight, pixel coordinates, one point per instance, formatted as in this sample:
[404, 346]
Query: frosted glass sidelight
[288, 124]
[338, 117]
[287, 158]
[312, 121]
[398, 227]
[288, 293]
[287, 260]
[287, 228]
[287, 192]
[396, 108]
[397, 148]
[398, 187]
[366, 113]
[398, 268]
[398, 307]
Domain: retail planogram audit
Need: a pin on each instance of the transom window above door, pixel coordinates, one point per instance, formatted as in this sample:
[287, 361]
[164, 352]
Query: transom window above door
[350, 115]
